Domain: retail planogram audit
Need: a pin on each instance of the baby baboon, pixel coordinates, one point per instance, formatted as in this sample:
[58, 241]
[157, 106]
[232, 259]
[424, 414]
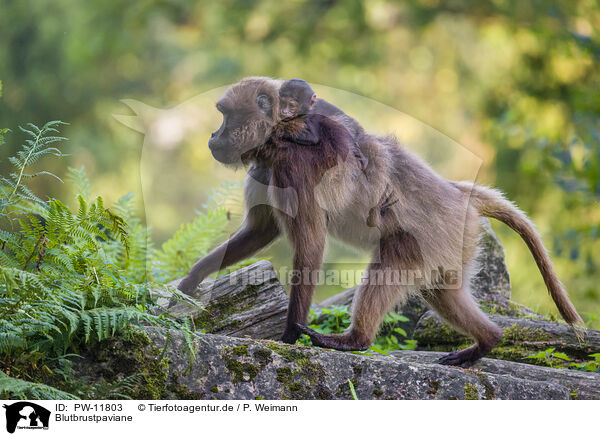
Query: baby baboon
[430, 223]
[296, 100]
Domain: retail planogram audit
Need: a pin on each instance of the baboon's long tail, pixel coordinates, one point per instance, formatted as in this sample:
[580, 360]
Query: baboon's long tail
[491, 203]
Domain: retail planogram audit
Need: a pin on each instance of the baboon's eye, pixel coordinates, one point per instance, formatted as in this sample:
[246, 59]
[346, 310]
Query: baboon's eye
[264, 103]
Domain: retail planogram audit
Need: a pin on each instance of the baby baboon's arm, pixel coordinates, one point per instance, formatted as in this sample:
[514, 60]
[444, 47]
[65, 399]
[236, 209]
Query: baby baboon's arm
[306, 133]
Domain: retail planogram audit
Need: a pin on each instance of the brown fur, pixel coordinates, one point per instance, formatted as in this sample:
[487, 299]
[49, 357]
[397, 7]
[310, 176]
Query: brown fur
[430, 225]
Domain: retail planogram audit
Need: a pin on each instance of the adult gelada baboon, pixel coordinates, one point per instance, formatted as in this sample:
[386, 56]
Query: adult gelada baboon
[431, 225]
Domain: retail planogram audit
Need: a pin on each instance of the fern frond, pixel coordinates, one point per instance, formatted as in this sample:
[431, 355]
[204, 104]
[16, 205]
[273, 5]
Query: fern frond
[79, 179]
[16, 389]
[190, 242]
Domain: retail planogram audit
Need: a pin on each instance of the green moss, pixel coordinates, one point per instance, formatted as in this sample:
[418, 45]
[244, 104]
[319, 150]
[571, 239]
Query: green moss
[214, 389]
[323, 394]
[181, 392]
[241, 371]
[131, 356]
[434, 332]
[517, 333]
[304, 377]
[489, 394]
[284, 375]
[241, 365]
[434, 385]
[288, 352]
[377, 392]
[520, 352]
[515, 353]
[126, 365]
[492, 308]
[220, 309]
[242, 350]
[262, 356]
[471, 392]
[258, 398]
[357, 370]
[295, 388]
[507, 308]
[516, 345]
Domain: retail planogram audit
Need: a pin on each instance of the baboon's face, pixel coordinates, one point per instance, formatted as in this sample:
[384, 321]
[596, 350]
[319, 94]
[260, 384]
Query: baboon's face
[250, 109]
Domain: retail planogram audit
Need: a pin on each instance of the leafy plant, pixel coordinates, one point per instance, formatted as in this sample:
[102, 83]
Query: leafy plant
[553, 358]
[352, 390]
[16, 197]
[13, 388]
[590, 365]
[336, 319]
[67, 278]
[391, 334]
[177, 255]
[550, 357]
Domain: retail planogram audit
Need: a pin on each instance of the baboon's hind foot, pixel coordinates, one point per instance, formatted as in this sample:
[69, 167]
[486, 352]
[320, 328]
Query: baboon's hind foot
[463, 358]
[342, 342]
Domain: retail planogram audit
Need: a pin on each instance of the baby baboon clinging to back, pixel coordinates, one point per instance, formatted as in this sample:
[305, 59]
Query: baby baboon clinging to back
[430, 224]
[296, 100]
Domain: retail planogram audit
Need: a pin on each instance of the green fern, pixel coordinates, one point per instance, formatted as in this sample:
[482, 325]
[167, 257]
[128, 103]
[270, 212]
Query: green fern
[16, 389]
[15, 196]
[190, 242]
[80, 182]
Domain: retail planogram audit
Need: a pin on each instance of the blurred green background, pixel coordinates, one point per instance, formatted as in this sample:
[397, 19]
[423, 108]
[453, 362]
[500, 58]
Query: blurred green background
[516, 84]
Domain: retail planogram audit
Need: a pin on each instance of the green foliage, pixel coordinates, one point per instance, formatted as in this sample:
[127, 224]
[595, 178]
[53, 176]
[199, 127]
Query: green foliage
[336, 319]
[16, 389]
[390, 334]
[81, 184]
[67, 278]
[556, 359]
[190, 242]
[352, 390]
[590, 365]
[3, 130]
[16, 197]
[550, 357]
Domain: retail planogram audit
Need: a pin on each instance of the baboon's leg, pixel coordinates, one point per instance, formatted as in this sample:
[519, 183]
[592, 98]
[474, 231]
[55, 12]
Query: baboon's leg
[307, 232]
[460, 310]
[258, 230]
[377, 294]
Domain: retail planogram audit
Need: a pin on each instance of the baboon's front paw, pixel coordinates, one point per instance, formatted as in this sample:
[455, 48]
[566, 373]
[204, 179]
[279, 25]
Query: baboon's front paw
[188, 285]
[290, 335]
